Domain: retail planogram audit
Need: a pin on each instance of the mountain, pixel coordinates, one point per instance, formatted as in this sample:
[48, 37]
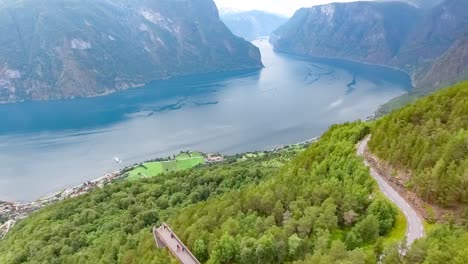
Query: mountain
[429, 44]
[359, 31]
[449, 67]
[418, 3]
[55, 49]
[252, 24]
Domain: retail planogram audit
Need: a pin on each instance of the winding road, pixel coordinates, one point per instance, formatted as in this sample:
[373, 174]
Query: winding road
[415, 229]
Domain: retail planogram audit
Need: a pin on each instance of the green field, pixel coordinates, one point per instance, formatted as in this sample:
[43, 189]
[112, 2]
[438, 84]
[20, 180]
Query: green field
[182, 161]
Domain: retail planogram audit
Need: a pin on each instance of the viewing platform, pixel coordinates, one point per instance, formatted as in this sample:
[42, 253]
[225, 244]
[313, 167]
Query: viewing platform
[166, 238]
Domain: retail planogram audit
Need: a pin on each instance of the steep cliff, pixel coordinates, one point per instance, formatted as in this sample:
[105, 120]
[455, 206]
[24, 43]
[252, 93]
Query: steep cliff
[361, 31]
[54, 49]
[451, 67]
[429, 44]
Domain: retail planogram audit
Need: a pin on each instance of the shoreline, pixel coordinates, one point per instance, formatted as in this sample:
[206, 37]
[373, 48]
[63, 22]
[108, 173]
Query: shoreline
[384, 66]
[114, 90]
[15, 211]
[151, 159]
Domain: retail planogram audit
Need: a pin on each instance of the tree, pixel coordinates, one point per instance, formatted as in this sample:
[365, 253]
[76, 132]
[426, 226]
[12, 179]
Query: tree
[225, 250]
[338, 250]
[200, 250]
[386, 214]
[279, 212]
[392, 255]
[248, 251]
[353, 240]
[265, 249]
[350, 217]
[322, 241]
[294, 245]
[368, 228]
[379, 248]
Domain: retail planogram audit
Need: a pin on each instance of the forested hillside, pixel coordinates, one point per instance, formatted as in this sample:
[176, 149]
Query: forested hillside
[322, 205]
[430, 138]
[445, 245]
[112, 225]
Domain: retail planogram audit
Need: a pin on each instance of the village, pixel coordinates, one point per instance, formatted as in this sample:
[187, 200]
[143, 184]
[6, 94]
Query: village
[15, 211]
[12, 212]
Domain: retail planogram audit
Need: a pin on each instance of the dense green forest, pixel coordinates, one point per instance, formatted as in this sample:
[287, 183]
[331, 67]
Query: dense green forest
[430, 137]
[252, 211]
[444, 245]
[112, 225]
[322, 202]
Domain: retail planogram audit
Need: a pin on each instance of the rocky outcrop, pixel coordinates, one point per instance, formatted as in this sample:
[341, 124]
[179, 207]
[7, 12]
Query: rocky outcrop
[55, 49]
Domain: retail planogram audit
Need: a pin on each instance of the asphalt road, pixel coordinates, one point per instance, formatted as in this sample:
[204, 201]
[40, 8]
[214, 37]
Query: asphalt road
[415, 229]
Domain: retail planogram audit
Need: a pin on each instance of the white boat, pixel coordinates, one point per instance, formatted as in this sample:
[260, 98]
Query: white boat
[118, 160]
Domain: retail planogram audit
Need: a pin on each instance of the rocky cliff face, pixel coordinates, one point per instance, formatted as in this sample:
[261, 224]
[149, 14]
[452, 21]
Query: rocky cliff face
[252, 24]
[417, 3]
[361, 31]
[54, 49]
[420, 41]
[449, 68]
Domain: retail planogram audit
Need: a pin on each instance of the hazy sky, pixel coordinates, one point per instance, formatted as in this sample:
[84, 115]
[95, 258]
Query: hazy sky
[285, 7]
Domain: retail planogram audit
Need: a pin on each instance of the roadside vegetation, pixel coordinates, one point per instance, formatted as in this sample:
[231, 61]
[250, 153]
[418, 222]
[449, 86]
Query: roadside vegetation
[443, 245]
[429, 138]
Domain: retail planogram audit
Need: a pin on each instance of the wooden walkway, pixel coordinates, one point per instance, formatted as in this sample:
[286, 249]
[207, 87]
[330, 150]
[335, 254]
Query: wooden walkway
[166, 238]
[5, 228]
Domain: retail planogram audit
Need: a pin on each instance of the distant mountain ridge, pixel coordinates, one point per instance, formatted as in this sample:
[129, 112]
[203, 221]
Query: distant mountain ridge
[429, 44]
[418, 3]
[59, 49]
[252, 24]
[361, 31]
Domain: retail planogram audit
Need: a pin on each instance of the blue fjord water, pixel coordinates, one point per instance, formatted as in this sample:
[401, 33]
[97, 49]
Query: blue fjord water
[47, 146]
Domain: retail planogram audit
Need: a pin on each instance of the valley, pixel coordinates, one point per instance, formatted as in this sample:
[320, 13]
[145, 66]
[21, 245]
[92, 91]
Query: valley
[166, 131]
[289, 101]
